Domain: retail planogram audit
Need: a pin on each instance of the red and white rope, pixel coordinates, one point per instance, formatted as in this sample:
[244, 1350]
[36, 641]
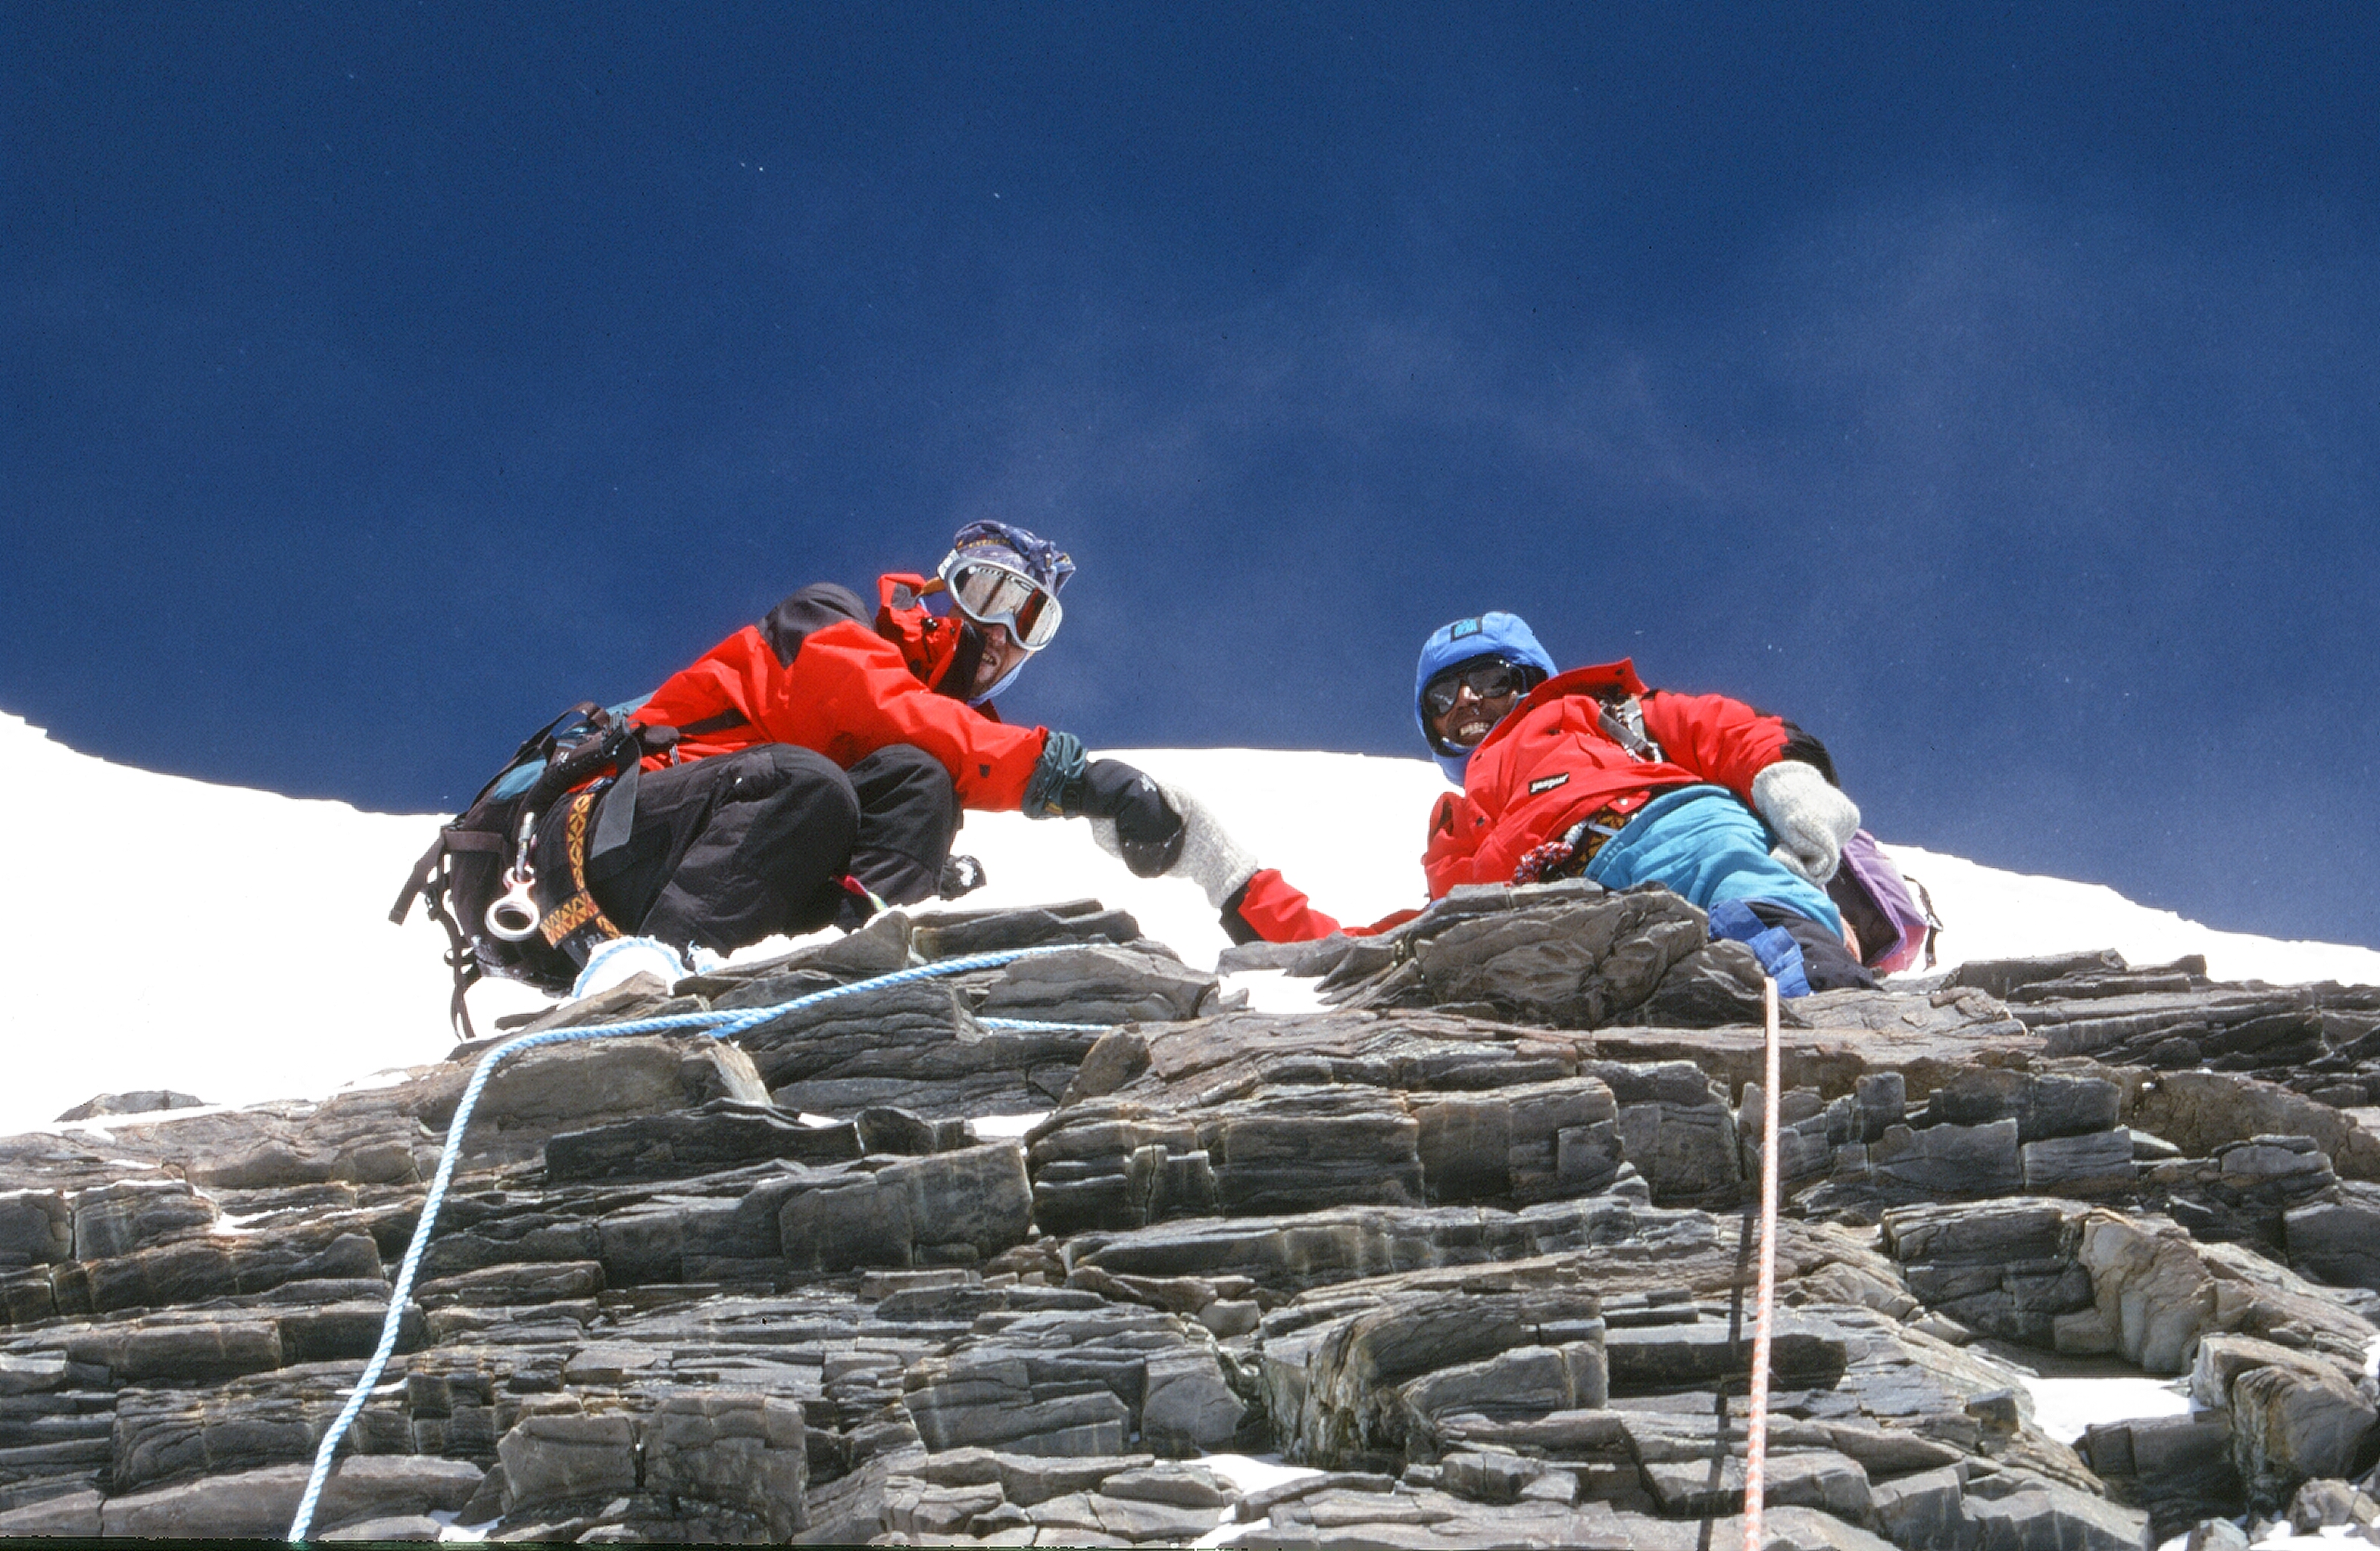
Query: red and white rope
[1755, 1436]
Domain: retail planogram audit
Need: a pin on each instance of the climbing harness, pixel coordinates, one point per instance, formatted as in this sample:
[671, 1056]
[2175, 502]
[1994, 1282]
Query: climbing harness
[719, 1025]
[1621, 718]
[1755, 1431]
[1568, 856]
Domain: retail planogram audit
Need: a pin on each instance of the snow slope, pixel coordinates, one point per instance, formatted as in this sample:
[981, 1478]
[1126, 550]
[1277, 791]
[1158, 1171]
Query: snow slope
[166, 933]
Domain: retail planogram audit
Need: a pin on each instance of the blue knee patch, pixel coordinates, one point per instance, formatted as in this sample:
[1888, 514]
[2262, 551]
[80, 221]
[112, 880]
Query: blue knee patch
[1779, 955]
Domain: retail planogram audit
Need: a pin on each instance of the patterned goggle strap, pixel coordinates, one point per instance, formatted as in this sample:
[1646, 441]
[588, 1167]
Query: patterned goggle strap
[991, 592]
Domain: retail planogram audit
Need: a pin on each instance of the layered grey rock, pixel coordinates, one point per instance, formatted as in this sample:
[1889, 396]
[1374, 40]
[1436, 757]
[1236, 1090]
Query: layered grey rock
[1473, 1242]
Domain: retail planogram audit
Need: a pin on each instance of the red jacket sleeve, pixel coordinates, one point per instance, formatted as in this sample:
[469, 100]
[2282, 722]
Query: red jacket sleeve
[1718, 739]
[846, 694]
[1267, 908]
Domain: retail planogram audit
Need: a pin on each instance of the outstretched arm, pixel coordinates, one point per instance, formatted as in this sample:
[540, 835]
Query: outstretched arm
[1256, 904]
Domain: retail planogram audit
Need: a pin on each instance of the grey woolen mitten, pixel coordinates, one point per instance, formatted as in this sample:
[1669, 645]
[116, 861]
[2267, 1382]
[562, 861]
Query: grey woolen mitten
[1810, 818]
[1209, 858]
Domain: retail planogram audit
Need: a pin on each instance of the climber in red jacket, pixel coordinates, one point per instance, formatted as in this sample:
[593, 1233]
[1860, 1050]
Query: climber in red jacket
[1590, 773]
[821, 760]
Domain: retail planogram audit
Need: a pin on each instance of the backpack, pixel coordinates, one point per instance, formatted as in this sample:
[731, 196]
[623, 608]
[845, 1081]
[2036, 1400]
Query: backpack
[1894, 924]
[476, 878]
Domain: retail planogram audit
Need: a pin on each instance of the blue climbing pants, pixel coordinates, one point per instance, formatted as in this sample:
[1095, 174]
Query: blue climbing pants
[1704, 843]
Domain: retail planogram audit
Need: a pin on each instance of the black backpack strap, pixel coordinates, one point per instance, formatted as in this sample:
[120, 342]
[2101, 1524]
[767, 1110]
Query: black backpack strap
[428, 884]
[459, 1011]
[419, 883]
[619, 811]
[539, 745]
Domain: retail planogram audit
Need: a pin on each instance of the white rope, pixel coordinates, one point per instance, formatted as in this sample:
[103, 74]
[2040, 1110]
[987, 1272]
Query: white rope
[1756, 1433]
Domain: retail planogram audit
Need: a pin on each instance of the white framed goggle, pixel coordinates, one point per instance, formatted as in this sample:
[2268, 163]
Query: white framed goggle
[990, 593]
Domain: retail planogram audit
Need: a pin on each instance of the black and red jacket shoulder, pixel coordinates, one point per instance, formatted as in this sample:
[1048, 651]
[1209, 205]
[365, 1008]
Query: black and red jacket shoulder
[816, 673]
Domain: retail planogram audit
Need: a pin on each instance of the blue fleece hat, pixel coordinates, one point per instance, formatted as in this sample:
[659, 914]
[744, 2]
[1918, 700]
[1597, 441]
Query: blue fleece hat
[1017, 547]
[1496, 634]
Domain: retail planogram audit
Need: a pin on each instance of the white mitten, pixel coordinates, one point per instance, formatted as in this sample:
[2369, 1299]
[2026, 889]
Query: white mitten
[1209, 858]
[1810, 818]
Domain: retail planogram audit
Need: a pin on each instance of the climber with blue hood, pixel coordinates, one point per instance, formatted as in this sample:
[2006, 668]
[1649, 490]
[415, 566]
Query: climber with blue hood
[811, 769]
[1475, 669]
[1589, 773]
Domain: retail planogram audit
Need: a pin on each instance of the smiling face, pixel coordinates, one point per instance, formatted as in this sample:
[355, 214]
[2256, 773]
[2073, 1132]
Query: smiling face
[1000, 653]
[1476, 697]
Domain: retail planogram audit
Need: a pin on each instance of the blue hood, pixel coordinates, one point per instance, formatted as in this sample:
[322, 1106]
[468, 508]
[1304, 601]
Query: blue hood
[1489, 634]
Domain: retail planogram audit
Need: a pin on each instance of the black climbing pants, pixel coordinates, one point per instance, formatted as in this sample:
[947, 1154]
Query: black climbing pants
[725, 851]
[1825, 960]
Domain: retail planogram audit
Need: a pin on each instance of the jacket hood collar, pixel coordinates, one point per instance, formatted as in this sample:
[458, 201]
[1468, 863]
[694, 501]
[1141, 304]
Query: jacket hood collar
[928, 642]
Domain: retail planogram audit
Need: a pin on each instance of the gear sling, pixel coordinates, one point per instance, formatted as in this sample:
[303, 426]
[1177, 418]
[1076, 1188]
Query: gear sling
[477, 879]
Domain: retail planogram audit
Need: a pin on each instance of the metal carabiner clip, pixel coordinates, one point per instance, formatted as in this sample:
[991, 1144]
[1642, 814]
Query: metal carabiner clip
[514, 917]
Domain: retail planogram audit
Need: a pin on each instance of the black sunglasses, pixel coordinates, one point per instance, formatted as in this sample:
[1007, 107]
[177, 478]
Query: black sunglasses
[1486, 681]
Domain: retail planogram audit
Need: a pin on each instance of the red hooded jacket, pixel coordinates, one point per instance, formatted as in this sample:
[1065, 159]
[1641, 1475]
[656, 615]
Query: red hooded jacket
[817, 675]
[1547, 765]
[1550, 764]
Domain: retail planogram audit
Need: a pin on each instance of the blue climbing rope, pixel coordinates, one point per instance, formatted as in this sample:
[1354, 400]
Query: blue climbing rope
[719, 1026]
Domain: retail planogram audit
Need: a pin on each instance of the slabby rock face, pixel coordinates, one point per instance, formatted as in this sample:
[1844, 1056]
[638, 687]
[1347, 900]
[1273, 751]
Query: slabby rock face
[1470, 1245]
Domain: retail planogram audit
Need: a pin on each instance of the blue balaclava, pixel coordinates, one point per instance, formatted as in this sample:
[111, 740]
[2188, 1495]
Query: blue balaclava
[1021, 550]
[1492, 635]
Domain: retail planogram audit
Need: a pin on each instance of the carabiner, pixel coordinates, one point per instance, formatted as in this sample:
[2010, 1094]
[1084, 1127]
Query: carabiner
[514, 917]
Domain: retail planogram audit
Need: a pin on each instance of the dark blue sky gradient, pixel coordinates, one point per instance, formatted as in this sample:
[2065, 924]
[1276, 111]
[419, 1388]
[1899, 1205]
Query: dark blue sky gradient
[1995, 391]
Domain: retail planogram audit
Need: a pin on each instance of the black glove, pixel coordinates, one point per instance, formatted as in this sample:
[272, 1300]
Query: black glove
[1148, 829]
[961, 875]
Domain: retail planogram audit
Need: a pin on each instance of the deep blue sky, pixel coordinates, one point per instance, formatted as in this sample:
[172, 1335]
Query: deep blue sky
[1991, 389]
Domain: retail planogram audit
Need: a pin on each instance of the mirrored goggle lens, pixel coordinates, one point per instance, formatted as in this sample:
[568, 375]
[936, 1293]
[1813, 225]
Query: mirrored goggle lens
[995, 595]
[1486, 683]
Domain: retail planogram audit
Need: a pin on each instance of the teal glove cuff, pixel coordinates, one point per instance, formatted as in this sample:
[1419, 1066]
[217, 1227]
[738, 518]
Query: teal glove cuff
[1055, 790]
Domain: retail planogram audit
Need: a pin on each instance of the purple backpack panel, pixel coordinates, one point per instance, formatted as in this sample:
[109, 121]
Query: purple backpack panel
[1892, 914]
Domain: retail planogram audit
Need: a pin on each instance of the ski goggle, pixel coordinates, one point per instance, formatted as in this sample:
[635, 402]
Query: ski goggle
[1486, 681]
[989, 593]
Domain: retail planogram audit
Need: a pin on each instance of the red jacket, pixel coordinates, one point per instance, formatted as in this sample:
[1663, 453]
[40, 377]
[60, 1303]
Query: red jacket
[1547, 765]
[817, 675]
[1550, 764]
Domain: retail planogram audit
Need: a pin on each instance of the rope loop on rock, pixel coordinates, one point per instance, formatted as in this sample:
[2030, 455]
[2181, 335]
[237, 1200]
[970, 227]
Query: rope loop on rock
[719, 1025]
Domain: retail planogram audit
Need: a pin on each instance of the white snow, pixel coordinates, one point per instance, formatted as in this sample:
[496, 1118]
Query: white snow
[2065, 1407]
[1247, 1474]
[1994, 915]
[2281, 1536]
[233, 944]
[996, 1127]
